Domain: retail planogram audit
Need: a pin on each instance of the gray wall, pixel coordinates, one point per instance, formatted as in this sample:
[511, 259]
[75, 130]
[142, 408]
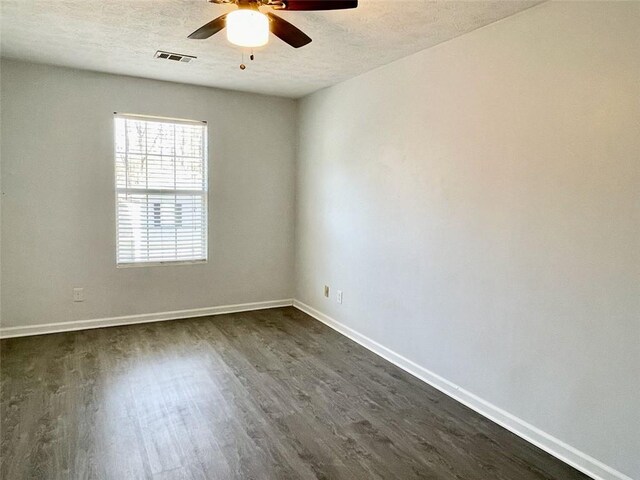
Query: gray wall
[478, 204]
[58, 224]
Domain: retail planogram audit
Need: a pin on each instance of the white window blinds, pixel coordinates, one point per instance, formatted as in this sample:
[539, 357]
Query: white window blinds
[161, 190]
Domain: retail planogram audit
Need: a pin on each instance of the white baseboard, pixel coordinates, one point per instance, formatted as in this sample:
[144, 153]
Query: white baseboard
[11, 332]
[537, 437]
[568, 454]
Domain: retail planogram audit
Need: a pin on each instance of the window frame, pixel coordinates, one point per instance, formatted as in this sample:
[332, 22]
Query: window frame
[205, 193]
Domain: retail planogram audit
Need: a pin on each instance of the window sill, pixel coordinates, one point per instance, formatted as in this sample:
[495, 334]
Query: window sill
[160, 264]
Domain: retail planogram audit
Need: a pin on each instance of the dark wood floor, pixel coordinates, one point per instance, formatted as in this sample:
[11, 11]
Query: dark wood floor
[271, 394]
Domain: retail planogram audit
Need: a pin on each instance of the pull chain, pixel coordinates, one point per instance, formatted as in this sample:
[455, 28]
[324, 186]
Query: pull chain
[252, 57]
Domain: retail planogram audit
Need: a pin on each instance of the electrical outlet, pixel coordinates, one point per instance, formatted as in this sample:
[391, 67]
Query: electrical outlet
[326, 291]
[78, 294]
[339, 296]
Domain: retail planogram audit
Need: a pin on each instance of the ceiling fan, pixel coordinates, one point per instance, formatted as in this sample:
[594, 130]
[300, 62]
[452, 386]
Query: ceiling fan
[249, 27]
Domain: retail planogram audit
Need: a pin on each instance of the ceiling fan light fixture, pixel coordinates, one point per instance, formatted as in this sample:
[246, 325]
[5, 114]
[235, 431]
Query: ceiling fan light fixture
[247, 28]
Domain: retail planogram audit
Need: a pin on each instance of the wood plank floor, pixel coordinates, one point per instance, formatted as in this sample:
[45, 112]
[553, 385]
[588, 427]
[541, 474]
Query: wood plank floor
[270, 394]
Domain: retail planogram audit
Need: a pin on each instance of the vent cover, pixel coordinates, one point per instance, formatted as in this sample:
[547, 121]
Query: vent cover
[176, 57]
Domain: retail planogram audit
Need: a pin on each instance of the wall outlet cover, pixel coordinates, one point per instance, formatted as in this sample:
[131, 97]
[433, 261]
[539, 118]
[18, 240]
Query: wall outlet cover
[78, 294]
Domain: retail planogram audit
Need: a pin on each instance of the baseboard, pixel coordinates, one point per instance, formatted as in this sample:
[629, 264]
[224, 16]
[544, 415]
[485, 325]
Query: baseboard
[11, 332]
[568, 454]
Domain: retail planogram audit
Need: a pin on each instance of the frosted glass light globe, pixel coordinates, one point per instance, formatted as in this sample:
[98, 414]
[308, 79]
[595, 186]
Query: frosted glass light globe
[247, 28]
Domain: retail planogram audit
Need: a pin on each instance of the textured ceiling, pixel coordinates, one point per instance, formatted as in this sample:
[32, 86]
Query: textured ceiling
[121, 36]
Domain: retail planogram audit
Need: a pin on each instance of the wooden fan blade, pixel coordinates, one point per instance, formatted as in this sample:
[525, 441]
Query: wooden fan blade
[211, 28]
[302, 5]
[288, 33]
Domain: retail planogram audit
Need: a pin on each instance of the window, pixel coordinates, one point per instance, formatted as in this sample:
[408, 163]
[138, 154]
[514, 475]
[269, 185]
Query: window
[161, 190]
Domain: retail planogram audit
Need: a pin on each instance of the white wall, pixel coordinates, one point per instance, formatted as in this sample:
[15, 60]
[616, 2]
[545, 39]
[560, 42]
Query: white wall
[58, 225]
[478, 203]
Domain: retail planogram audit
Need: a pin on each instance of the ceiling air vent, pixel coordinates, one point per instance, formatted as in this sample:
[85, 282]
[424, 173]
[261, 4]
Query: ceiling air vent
[176, 57]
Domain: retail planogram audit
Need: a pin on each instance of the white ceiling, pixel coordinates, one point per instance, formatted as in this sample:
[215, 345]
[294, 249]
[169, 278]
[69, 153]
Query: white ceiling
[121, 36]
